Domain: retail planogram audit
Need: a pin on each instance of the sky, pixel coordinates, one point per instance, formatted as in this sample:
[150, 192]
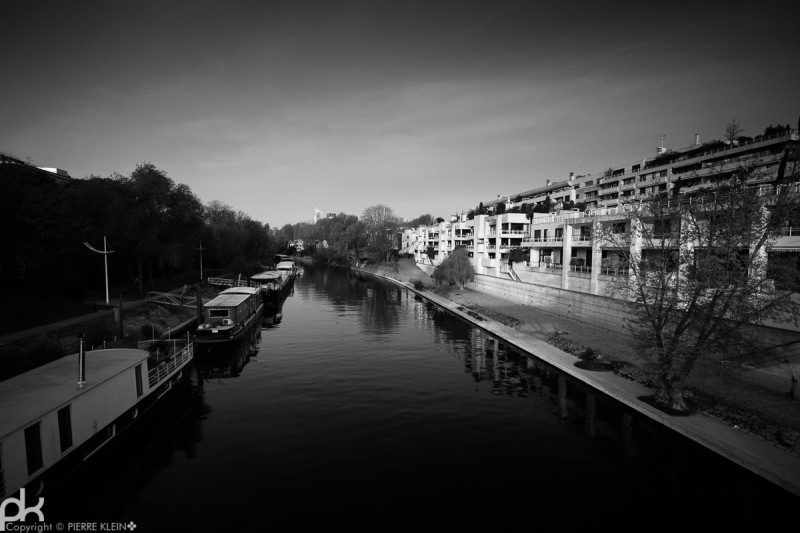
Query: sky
[278, 108]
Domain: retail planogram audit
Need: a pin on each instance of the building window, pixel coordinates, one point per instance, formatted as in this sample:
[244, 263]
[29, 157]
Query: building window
[33, 448]
[65, 428]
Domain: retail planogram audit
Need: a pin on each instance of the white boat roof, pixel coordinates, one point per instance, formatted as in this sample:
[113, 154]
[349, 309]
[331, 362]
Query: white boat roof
[267, 275]
[240, 290]
[285, 264]
[29, 396]
[231, 297]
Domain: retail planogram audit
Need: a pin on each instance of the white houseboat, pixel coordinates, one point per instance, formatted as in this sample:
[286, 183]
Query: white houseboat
[288, 267]
[230, 316]
[57, 416]
[272, 284]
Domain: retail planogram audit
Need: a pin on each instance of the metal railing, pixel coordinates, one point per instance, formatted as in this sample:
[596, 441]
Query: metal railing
[164, 370]
[544, 239]
[171, 298]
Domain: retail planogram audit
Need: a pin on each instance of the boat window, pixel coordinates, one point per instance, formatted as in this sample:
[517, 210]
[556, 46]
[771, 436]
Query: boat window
[65, 427]
[139, 391]
[217, 313]
[33, 448]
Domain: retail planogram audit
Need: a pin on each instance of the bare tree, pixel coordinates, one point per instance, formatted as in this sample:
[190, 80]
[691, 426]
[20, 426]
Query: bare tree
[697, 273]
[733, 130]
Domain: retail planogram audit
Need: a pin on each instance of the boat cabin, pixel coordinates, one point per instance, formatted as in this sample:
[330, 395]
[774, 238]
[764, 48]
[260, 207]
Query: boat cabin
[231, 306]
[288, 267]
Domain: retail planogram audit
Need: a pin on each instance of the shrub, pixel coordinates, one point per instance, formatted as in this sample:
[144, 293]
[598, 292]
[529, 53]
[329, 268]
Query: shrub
[455, 269]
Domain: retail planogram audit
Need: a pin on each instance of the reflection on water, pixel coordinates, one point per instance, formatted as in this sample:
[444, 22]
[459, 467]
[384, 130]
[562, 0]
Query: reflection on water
[101, 489]
[367, 408]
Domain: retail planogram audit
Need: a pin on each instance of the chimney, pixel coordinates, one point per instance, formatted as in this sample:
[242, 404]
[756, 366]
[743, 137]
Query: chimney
[571, 176]
[547, 183]
[697, 139]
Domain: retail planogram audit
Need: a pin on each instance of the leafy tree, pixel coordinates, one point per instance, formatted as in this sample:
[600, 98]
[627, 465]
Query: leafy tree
[545, 207]
[455, 269]
[380, 225]
[422, 220]
[515, 255]
[698, 273]
[529, 209]
[431, 253]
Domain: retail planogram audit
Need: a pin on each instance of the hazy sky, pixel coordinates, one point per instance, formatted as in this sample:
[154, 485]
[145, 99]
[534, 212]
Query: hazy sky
[276, 108]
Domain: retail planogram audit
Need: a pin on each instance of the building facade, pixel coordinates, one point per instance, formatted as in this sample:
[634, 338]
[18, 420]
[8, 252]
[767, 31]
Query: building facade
[563, 245]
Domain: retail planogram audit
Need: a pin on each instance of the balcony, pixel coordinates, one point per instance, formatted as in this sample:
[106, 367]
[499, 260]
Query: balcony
[530, 241]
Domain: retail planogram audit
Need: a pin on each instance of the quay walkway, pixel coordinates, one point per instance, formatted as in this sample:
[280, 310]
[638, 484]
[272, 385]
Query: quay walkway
[777, 465]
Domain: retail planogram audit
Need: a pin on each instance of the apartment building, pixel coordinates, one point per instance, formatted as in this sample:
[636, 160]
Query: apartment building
[562, 245]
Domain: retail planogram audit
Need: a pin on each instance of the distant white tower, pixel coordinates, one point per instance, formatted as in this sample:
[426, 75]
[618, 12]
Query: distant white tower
[318, 214]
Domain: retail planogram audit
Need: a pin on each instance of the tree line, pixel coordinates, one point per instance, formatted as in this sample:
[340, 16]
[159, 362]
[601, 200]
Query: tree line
[155, 227]
[339, 239]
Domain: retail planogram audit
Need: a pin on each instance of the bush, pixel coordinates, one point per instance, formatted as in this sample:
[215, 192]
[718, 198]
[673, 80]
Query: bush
[419, 285]
[455, 269]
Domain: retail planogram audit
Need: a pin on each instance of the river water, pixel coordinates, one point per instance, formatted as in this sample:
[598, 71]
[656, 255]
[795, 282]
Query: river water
[367, 408]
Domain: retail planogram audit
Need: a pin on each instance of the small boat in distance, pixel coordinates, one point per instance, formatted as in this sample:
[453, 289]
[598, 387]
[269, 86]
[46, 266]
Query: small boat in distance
[230, 316]
[288, 267]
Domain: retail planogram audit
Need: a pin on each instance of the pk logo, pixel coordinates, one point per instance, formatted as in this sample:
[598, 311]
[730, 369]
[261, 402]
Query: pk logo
[22, 511]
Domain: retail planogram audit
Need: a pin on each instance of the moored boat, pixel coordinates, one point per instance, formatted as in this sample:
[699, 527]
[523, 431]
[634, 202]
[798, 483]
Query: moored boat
[52, 423]
[271, 284]
[287, 267]
[230, 316]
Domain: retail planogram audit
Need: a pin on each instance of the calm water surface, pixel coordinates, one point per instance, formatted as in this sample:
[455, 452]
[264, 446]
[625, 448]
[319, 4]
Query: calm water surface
[366, 408]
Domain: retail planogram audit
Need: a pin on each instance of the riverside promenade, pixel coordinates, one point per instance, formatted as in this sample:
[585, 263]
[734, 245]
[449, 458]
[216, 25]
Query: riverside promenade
[776, 464]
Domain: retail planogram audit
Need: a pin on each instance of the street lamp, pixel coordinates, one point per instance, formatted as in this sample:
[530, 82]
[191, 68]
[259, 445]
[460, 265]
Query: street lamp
[201, 259]
[105, 253]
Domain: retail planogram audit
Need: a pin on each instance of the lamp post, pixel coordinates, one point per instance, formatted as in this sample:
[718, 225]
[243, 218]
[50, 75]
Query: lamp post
[201, 259]
[105, 251]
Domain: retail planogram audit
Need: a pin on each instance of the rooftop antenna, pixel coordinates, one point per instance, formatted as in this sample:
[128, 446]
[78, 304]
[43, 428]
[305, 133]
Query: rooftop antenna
[661, 148]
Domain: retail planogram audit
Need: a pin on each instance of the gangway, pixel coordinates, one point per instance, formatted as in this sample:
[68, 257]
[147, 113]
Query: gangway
[171, 298]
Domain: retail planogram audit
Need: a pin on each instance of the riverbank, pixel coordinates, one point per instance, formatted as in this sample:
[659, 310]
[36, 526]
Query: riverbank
[28, 348]
[760, 412]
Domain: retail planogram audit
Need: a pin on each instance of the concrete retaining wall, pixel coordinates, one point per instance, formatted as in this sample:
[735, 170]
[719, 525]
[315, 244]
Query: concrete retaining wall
[599, 311]
[613, 315]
